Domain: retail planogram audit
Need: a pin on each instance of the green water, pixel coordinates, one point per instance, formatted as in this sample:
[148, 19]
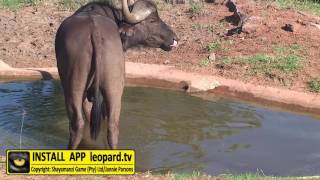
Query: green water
[172, 131]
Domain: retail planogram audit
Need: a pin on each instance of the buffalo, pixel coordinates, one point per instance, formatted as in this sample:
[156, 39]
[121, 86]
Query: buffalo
[90, 47]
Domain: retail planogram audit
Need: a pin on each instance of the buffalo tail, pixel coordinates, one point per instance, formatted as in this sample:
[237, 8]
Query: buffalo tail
[96, 111]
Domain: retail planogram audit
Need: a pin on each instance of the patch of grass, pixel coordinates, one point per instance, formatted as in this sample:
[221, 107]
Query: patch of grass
[267, 63]
[197, 26]
[296, 47]
[291, 49]
[214, 46]
[210, 27]
[290, 56]
[72, 4]
[197, 8]
[312, 6]
[14, 4]
[259, 62]
[164, 5]
[314, 85]
[258, 58]
[206, 62]
[248, 176]
[226, 61]
[194, 175]
[253, 177]
[289, 63]
[285, 59]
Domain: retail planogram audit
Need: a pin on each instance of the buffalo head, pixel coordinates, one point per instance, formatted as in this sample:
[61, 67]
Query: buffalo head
[143, 26]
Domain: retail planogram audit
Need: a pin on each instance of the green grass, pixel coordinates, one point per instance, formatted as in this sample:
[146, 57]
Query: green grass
[221, 26]
[72, 4]
[314, 85]
[312, 6]
[285, 59]
[267, 63]
[63, 4]
[205, 62]
[248, 176]
[194, 175]
[293, 48]
[214, 46]
[198, 26]
[163, 5]
[14, 4]
[253, 177]
[197, 8]
[289, 63]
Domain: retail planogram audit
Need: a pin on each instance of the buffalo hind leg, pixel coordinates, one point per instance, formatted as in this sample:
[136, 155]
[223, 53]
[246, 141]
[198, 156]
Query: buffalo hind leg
[113, 109]
[87, 106]
[76, 127]
[113, 127]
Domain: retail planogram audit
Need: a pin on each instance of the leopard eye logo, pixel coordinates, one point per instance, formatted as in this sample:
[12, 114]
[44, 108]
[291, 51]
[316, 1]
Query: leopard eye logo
[18, 162]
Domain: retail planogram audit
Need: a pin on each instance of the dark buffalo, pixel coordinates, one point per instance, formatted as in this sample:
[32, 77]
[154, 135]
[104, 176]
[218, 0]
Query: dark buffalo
[90, 47]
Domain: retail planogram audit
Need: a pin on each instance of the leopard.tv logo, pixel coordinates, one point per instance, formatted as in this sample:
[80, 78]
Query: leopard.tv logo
[18, 162]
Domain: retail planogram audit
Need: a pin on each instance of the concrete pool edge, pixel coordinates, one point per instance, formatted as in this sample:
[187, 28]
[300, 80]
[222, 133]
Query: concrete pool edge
[162, 76]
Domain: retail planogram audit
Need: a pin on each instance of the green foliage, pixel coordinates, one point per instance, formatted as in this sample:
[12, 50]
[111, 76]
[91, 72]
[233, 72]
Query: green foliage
[267, 63]
[14, 4]
[285, 59]
[63, 4]
[247, 176]
[206, 62]
[197, 8]
[312, 6]
[164, 5]
[194, 175]
[214, 46]
[253, 177]
[208, 27]
[221, 26]
[291, 49]
[72, 4]
[289, 63]
[314, 85]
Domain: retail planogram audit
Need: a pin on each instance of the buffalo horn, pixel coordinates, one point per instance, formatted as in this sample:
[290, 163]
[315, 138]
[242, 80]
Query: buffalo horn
[136, 17]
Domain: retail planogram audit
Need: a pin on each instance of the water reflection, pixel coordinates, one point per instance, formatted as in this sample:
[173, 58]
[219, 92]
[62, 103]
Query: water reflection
[45, 119]
[172, 131]
[174, 126]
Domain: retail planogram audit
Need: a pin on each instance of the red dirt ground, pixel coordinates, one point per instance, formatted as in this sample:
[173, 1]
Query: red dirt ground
[27, 40]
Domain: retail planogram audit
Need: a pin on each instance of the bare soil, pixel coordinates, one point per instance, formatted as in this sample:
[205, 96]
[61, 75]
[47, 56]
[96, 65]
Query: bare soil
[27, 40]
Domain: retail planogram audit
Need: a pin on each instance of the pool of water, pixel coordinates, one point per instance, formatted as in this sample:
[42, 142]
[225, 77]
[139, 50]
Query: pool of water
[172, 131]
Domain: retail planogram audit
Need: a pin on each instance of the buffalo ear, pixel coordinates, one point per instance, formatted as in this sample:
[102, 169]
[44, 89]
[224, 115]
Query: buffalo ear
[126, 31]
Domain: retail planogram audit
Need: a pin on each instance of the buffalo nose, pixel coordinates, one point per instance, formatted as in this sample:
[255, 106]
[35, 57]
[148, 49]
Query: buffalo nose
[175, 42]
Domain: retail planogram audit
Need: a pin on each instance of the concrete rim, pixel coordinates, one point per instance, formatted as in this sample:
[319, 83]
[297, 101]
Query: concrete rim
[168, 77]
